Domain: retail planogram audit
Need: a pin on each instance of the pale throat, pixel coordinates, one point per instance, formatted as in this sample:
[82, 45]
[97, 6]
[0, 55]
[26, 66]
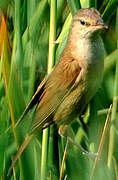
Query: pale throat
[88, 50]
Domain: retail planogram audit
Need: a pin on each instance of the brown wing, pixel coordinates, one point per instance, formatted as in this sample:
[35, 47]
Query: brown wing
[56, 87]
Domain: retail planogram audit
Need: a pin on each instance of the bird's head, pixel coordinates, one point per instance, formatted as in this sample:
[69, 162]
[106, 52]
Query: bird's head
[87, 22]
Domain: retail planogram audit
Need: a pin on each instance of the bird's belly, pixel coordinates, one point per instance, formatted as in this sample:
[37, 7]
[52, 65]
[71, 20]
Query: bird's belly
[75, 103]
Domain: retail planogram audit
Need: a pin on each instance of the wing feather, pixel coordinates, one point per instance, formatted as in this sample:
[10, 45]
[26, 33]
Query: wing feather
[56, 88]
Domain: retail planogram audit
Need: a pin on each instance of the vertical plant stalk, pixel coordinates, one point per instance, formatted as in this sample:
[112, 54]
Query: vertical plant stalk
[63, 160]
[16, 47]
[18, 23]
[51, 57]
[52, 35]
[6, 65]
[85, 3]
[73, 5]
[31, 5]
[15, 94]
[18, 39]
[88, 3]
[100, 148]
[93, 3]
[114, 111]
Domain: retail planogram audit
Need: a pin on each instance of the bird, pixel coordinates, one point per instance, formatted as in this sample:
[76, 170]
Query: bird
[74, 80]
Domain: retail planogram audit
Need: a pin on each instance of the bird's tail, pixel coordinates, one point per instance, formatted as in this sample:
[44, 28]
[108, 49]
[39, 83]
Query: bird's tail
[19, 152]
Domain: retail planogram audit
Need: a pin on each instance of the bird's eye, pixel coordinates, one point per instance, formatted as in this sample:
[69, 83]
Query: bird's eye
[82, 22]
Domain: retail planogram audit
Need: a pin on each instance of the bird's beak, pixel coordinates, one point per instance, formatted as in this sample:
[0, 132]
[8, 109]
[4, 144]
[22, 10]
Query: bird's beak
[101, 25]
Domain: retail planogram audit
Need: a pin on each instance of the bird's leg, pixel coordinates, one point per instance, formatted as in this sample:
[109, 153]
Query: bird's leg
[67, 132]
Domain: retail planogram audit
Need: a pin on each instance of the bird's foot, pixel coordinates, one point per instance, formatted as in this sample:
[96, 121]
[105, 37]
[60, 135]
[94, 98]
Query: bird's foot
[67, 132]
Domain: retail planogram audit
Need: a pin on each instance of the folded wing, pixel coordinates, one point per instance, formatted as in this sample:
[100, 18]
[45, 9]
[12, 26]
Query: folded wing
[57, 86]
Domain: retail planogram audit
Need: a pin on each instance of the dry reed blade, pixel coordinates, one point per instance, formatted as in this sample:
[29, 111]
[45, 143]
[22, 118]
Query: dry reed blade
[63, 160]
[100, 147]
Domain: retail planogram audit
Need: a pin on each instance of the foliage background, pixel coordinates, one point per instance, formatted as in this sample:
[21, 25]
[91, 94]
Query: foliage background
[33, 34]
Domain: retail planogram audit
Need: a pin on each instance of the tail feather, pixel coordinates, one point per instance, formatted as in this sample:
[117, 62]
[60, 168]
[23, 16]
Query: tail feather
[19, 152]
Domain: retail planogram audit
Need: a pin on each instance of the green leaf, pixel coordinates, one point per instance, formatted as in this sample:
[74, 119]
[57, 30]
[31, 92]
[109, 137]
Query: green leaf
[73, 5]
[109, 9]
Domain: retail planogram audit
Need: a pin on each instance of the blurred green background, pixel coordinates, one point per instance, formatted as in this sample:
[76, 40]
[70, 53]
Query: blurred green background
[33, 34]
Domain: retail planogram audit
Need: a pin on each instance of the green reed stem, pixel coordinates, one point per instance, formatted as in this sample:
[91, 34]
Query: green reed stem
[114, 109]
[51, 57]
